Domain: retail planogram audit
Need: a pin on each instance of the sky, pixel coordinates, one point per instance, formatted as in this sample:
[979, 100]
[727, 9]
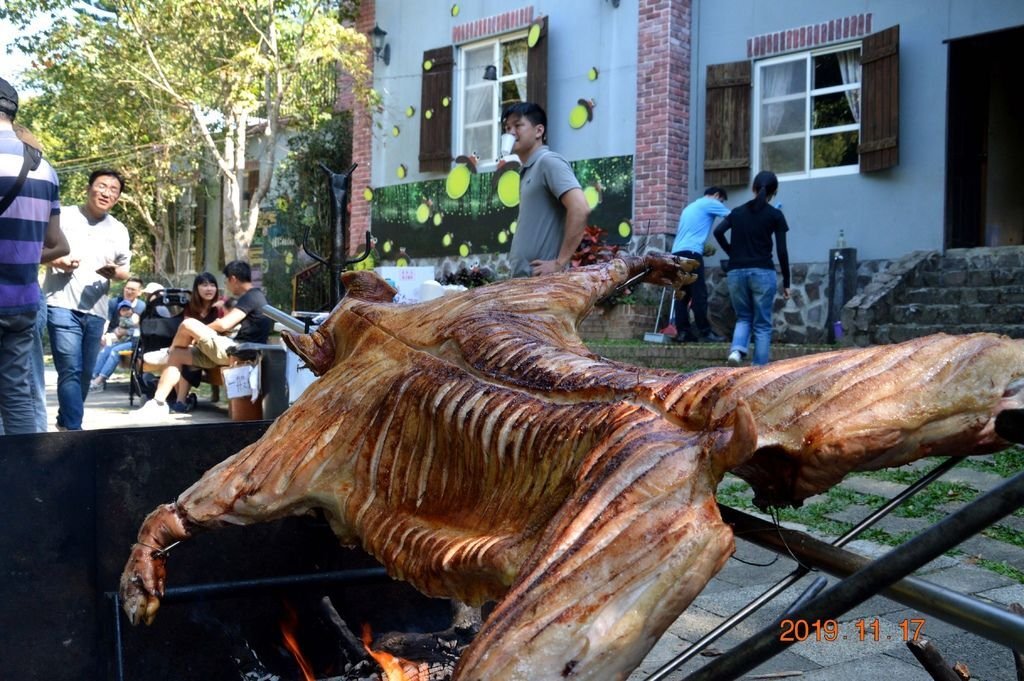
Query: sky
[11, 65]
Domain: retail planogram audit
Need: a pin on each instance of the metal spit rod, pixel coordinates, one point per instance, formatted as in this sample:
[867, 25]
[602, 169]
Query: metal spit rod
[798, 573]
[182, 594]
[966, 612]
[875, 577]
[284, 319]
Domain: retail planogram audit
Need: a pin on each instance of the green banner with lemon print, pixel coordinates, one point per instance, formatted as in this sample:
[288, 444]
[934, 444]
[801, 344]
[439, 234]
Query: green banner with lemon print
[475, 213]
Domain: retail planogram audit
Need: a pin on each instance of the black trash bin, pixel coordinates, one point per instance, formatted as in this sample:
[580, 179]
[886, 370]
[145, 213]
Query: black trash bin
[273, 377]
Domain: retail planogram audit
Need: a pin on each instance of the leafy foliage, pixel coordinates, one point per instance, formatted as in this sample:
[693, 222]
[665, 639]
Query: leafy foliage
[164, 88]
[593, 249]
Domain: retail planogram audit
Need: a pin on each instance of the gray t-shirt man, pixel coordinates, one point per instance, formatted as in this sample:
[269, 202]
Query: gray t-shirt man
[541, 224]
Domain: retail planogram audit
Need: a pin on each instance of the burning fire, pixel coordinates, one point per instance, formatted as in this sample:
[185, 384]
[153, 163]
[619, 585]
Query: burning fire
[395, 668]
[289, 625]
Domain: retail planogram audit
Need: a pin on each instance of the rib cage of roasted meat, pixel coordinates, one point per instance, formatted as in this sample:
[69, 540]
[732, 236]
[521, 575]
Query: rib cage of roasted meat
[480, 451]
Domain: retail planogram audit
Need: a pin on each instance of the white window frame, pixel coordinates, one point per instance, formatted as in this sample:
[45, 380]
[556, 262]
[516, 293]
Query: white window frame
[808, 96]
[465, 79]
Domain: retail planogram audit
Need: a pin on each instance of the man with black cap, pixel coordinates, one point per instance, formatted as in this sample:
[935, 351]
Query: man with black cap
[30, 233]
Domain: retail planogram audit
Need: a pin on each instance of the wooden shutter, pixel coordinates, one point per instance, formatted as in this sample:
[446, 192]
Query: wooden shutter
[537, 68]
[436, 126]
[727, 131]
[880, 100]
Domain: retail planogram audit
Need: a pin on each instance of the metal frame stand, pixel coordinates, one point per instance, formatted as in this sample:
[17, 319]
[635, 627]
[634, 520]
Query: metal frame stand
[864, 579]
[185, 594]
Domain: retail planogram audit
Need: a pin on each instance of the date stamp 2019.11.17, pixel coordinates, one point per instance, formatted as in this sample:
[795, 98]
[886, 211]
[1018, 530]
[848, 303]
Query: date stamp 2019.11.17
[872, 630]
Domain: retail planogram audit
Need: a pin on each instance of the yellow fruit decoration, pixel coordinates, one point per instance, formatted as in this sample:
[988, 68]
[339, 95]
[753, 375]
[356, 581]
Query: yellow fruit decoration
[427, 65]
[446, 240]
[533, 36]
[422, 213]
[508, 189]
[457, 183]
[625, 229]
[368, 194]
[464, 248]
[428, 114]
[402, 171]
[593, 196]
[395, 132]
[437, 219]
[512, 227]
[387, 246]
[410, 111]
[502, 237]
[592, 73]
[455, 10]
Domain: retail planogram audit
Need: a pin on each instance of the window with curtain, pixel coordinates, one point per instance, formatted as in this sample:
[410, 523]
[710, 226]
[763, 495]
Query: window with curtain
[807, 118]
[483, 100]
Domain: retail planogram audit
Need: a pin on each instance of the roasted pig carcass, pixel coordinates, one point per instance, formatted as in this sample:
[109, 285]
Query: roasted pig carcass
[478, 449]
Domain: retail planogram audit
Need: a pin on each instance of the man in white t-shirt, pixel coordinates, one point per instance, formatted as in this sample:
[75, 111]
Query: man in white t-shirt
[77, 287]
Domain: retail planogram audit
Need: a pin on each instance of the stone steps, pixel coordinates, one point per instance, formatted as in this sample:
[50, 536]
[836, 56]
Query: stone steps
[966, 290]
[958, 314]
[897, 333]
[988, 295]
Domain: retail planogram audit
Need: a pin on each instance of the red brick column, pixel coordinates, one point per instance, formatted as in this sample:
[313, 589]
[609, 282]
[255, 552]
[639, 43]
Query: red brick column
[362, 141]
[661, 163]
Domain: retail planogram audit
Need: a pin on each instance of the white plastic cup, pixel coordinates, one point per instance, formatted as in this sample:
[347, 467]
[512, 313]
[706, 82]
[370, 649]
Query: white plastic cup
[508, 140]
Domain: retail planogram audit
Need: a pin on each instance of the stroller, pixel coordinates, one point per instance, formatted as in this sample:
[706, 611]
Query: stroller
[157, 325]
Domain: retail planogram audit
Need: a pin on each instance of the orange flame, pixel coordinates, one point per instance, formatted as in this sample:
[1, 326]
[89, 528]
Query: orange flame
[395, 668]
[288, 627]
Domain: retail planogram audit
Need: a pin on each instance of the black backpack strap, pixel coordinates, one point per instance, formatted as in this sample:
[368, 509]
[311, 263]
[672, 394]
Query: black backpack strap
[30, 161]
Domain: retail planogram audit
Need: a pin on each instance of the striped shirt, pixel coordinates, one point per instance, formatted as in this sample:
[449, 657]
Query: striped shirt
[23, 226]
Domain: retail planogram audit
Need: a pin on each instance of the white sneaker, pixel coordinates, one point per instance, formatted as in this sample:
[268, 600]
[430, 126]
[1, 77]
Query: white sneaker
[157, 357]
[152, 411]
[735, 358]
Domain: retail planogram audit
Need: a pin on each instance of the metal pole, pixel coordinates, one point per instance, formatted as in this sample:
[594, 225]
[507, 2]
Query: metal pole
[284, 319]
[874, 578]
[970, 614]
[193, 592]
[797, 574]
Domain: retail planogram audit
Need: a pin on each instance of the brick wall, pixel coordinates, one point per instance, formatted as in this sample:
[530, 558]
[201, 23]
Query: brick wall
[362, 147]
[663, 115]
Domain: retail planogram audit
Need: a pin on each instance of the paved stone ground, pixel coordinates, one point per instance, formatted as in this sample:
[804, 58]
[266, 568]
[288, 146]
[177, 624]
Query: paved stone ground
[110, 408]
[753, 570]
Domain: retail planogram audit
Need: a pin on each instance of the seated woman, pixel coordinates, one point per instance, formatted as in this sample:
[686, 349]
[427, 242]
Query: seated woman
[205, 305]
[203, 345]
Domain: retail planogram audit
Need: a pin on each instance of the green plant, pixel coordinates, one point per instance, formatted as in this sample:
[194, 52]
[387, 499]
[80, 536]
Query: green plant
[593, 249]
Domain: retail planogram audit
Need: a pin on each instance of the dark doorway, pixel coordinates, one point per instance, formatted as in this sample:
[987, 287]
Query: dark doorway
[985, 150]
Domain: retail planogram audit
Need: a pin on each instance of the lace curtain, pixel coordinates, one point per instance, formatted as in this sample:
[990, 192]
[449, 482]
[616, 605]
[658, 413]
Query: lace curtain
[849, 69]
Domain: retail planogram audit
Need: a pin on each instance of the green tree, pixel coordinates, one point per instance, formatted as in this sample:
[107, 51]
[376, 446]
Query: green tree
[155, 75]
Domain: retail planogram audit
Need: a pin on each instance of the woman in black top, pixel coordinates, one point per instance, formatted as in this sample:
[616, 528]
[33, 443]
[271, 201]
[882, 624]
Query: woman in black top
[752, 279]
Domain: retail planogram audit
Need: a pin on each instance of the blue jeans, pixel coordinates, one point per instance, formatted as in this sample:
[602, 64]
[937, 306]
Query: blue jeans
[108, 358]
[752, 291]
[38, 370]
[75, 342]
[17, 340]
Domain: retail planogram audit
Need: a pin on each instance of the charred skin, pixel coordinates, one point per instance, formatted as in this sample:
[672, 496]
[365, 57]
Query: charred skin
[480, 451]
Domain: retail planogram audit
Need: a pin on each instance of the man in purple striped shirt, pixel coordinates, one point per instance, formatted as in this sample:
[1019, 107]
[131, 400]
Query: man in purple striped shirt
[30, 233]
